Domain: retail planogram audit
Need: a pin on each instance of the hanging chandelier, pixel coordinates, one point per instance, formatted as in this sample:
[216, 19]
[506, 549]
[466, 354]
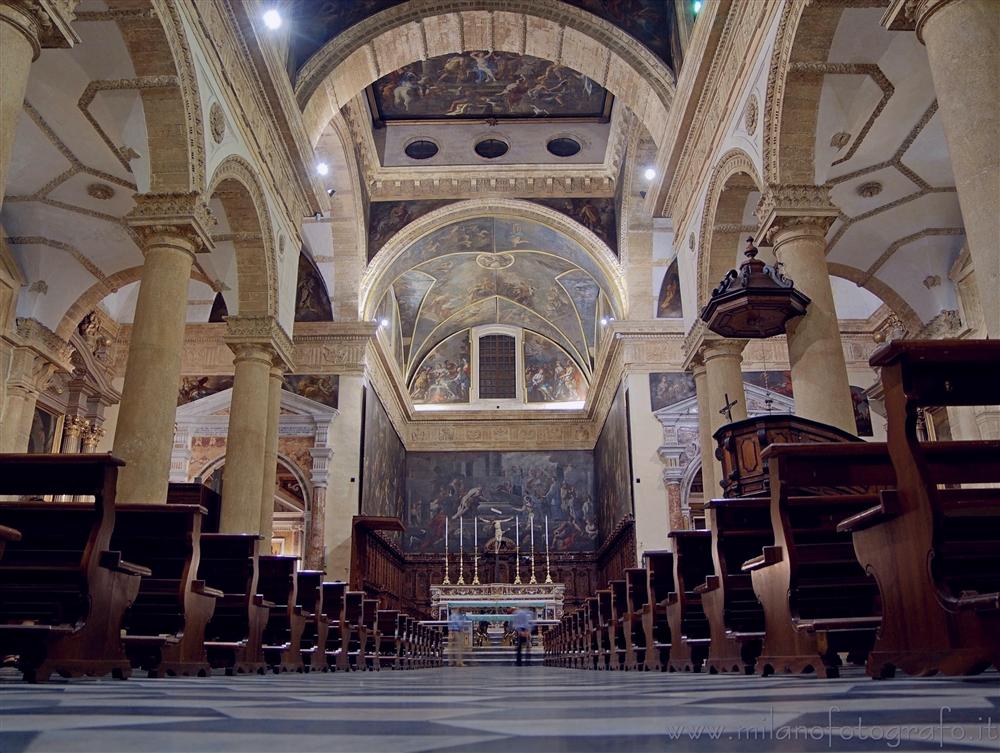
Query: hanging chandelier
[754, 302]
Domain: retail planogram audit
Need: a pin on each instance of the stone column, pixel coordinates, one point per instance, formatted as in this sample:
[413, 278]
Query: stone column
[270, 466]
[315, 544]
[963, 49]
[91, 438]
[25, 28]
[173, 227]
[709, 474]
[73, 428]
[795, 220]
[724, 379]
[255, 341]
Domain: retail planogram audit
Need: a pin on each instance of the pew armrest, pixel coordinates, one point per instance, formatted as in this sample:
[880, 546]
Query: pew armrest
[199, 587]
[770, 555]
[987, 602]
[885, 510]
[112, 560]
[671, 598]
[711, 584]
[9, 534]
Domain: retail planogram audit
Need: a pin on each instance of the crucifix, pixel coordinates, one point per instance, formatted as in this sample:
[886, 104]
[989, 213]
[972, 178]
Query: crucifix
[727, 409]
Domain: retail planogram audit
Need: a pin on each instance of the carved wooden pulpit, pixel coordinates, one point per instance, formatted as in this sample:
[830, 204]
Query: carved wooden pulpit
[740, 444]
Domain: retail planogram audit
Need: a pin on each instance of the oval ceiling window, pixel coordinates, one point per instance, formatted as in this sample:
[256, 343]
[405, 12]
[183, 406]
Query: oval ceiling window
[563, 147]
[421, 149]
[491, 148]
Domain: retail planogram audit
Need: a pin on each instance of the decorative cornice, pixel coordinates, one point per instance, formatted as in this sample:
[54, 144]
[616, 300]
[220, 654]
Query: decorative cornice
[183, 214]
[262, 331]
[32, 334]
[911, 15]
[44, 23]
[790, 205]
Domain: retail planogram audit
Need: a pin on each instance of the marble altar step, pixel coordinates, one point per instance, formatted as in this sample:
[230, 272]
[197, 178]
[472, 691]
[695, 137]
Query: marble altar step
[496, 656]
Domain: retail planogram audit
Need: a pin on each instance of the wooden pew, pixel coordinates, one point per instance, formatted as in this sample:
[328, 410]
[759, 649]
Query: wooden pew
[817, 600]
[339, 636]
[622, 653]
[387, 653]
[198, 494]
[315, 632]
[165, 626]
[370, 642]
[63, 591]
[740, 528]
[403, 642]
[604, 631]
[637, 600]
[935, 551]
[688, 624]
[282, 640]
[234, 636]
[357, 630]
[655, 626]
[8, 534]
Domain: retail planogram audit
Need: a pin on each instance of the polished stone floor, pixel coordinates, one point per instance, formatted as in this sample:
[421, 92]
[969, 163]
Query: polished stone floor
[502, 710]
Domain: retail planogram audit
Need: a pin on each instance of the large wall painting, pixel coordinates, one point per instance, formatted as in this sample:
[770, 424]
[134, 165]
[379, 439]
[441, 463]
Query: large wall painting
[613, 468]
[779, 382]
[486, 84]
[196, 387]
[499, 487]
[550, 375]
[668, 305]
[312, 302]
[383, 477]
[597, 215]
[652, 22]
[668, 388]
[322, 388]
[386, 218]
[444, 375]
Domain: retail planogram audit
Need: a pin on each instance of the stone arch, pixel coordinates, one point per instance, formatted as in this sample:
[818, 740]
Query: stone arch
[370, 292]
[910, 319]
[548, 29]
[97, 292]
[791, 109]
[732, 181]
[236, 185]
[160, 53]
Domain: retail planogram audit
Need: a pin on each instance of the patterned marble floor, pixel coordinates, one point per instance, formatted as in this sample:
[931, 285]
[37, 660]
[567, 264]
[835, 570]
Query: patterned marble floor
[502, 710]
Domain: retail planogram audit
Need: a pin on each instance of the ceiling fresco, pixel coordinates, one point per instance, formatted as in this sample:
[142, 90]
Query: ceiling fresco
[315, 22]
[484, 84]
[492, 270]
[386, 218]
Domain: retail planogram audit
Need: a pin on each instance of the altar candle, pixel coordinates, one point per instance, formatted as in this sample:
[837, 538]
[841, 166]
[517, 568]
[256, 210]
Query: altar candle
[532, 524]
[461, 532]
[475, 533]
[446, 532]
[546, 533]
[517, 529]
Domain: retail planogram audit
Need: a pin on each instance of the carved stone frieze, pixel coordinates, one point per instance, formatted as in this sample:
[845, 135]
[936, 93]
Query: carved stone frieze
[260, 331]
[790, 205]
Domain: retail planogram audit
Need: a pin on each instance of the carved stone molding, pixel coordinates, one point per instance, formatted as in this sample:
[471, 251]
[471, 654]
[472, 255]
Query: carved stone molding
[260, 331]
[183, 214]
[44, 23]
[911, 15]
[790, 205]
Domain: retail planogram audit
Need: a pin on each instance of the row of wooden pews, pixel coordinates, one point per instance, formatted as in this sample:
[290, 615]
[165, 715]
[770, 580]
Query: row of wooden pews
[106, 588]
[886, 555]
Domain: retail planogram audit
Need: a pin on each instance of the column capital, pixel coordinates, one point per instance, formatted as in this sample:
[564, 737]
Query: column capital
[161, 216]
[92, 437]
[722, 348]
[806, 208]
[260, 331]
[45, 23]
[74, 426]
[911, 15]
[702, 345]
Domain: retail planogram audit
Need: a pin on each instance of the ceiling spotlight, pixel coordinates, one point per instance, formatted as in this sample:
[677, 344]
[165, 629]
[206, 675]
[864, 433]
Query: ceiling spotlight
[318, 216]
[696, 7]
[383, 323]
[322, 168]
[272, 19]
[649, 174]
[606, 320]
[331, 191]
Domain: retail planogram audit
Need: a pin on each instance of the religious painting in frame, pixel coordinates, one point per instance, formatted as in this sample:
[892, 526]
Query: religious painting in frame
[383, 462]
[487, 488]
[550, 375]
[668, 388]
[613, 467]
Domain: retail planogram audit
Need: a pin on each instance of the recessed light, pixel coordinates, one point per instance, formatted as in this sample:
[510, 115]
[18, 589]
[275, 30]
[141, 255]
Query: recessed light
[383, 323]
[322, 168]
[272, 19]
[650, 173]
[331, 191]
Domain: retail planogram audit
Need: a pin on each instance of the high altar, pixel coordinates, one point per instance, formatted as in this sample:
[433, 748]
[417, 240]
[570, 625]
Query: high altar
[492, 601]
